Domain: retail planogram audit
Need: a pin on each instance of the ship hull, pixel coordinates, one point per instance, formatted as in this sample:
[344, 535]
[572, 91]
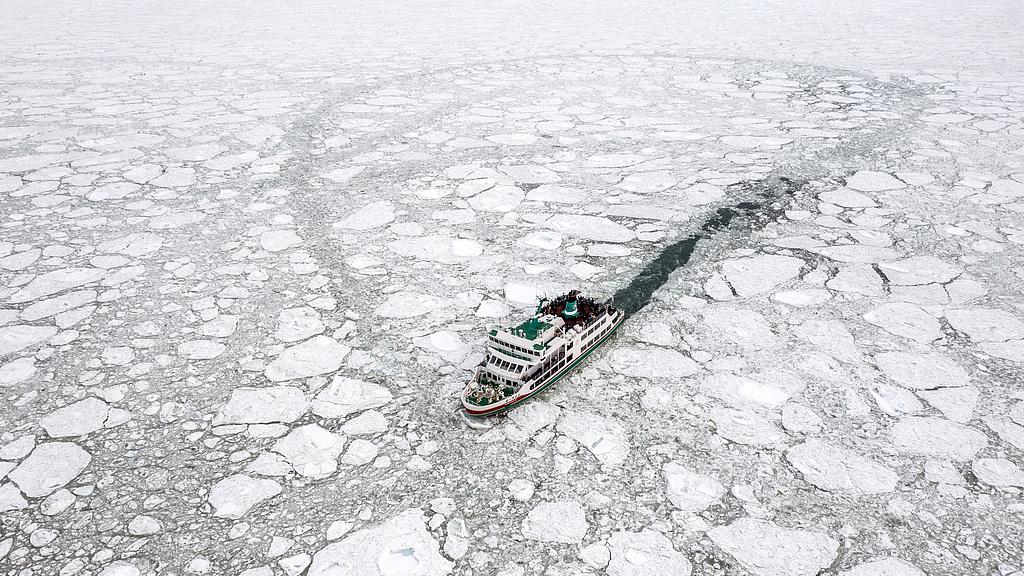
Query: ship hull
[514, 401]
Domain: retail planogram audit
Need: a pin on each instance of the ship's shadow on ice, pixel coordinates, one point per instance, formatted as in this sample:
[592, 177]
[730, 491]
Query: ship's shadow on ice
[764, 202]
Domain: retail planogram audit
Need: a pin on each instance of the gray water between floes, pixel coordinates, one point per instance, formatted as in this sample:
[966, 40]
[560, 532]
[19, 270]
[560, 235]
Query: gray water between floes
[766, 203]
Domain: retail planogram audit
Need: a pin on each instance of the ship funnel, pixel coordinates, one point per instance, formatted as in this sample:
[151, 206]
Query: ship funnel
[571, 310]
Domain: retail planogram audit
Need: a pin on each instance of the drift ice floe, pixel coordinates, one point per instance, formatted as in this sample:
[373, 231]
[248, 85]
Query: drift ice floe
[524, 360]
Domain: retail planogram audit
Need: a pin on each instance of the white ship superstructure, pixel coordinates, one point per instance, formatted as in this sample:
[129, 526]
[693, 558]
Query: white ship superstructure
[523, 360]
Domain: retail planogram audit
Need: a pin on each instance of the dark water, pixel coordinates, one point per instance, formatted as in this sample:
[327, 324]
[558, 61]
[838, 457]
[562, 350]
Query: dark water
[767, 201]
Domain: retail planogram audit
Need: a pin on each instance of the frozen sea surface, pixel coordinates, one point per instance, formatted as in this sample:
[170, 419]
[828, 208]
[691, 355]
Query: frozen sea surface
[248, 252]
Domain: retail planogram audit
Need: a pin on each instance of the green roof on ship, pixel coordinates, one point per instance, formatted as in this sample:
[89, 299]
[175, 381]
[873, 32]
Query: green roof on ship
[530, 329]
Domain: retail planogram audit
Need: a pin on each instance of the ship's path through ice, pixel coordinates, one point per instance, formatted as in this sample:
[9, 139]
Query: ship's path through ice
[771, 196]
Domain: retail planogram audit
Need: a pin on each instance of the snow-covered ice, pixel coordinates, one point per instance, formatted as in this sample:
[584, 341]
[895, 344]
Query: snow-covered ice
[766, 548]
[398, 546]
[645, 553]
[563, 521]
[235, 495]
[838, 469]
[250, 255]
[691, 491]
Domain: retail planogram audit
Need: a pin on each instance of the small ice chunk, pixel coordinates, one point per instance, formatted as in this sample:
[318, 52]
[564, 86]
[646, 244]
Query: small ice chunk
[220, 327]
[82, 417]
[342, 175]
[369, 422]
[998, 472]
[921, 371]
[651, 362]
[17, 371]
[838, 469]
[741, 392]
[870, 181]
[530, 174]
[11, 499]
[800, 418]
[846, 198]
[832, 337]
[120, 568]
[691, 491]
[262, 406]
[21, 336]
[563, 521]
[604, 437]
[278, 240]
[48, 467]
[295, 324]
[937, 438]
[521, 489]
[235, 495]
[745, 328]
[201, 349]
[755, 142]
[802, 298]
[143, 525]
[919, 270]
[558, 194]
[318, 355]
[311, 450]
[344, 395]
[337, 529]
[595, 556]
[522, 293]
[400, 546]
[534, 416]
[648, 182]
[759, 274]
[587, 227]
[133, 245]
[857, 278]
[359, 452]
[957, 404]
[767, 549]
[406, 304]
[986, 324]
[373, 215]
[645, 553]
[19, 448]
[907, 320]
[746, 427]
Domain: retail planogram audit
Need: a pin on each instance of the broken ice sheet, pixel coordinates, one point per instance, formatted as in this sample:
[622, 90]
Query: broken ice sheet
[183, 238]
